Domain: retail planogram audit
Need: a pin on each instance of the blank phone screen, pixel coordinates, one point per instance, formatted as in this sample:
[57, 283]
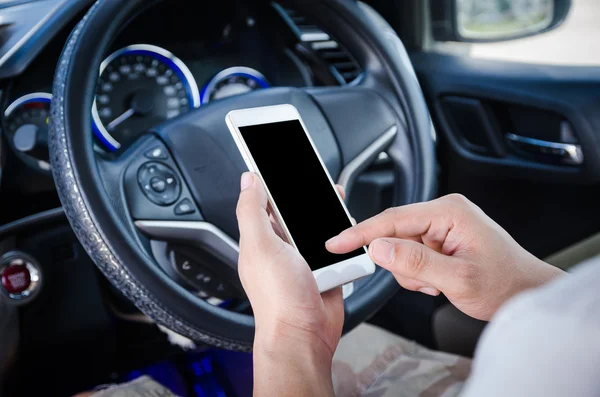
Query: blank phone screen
[300, 188]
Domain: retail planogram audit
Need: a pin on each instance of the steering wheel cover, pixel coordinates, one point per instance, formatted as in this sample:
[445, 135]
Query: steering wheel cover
[81, 189]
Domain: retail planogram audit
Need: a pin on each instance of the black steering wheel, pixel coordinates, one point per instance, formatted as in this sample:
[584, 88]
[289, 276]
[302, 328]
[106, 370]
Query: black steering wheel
[125, 231]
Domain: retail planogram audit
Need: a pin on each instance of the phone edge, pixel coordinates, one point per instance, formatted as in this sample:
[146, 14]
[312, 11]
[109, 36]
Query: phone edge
[323, 282]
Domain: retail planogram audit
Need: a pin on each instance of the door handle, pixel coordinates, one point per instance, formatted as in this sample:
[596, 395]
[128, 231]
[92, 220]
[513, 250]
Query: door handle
[566, 153]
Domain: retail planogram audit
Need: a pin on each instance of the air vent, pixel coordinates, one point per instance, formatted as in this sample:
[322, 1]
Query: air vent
[342, 65]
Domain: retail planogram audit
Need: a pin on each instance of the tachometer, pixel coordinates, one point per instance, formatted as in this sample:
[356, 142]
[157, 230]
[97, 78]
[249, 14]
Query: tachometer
[233, 81]
[26, 125]
[139, 87]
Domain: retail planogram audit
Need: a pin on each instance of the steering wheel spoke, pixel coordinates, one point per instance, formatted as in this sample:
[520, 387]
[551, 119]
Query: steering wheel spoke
[364, 124]
[148, 184]
[196, 254]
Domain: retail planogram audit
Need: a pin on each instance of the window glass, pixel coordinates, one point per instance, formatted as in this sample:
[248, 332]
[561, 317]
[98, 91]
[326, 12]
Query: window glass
[576, 42]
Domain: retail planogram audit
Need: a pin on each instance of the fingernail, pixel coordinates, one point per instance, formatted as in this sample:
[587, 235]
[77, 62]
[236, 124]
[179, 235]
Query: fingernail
[383, 251]
[429, 291]
[247, 180]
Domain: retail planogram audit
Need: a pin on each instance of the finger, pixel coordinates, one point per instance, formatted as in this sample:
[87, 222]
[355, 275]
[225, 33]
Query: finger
[341, 191]
[410, 221]
[415, 285]
[278, 229]
[415, 261]
[253, 219]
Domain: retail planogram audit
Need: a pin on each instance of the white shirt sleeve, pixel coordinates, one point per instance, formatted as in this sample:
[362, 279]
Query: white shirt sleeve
[544, 342]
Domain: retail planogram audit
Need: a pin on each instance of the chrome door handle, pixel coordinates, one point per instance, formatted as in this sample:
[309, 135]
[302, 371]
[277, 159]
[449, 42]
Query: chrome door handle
[567, 153]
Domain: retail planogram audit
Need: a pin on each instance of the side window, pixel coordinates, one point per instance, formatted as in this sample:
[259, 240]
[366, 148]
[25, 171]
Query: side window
[576, 42]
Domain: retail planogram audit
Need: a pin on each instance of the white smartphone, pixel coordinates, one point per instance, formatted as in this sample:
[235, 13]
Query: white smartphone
[275, 145]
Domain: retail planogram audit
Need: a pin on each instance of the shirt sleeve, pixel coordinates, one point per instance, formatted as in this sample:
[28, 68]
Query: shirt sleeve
[544, 342]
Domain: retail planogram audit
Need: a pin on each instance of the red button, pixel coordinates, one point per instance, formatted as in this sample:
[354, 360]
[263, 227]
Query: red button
[16, 279]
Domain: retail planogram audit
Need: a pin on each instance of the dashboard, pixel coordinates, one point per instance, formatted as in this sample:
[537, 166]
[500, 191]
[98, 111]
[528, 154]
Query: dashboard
[167, 61]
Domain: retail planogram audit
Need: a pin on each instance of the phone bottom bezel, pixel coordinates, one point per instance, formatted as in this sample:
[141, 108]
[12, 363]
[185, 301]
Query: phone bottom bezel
[344, 272]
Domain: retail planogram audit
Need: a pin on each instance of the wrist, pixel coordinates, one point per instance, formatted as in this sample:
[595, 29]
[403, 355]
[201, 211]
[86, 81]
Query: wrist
[543, 273]
[291, 361]
[279, 337]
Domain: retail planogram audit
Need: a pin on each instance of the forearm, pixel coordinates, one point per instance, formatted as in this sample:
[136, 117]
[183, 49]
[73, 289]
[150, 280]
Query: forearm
[287, 365]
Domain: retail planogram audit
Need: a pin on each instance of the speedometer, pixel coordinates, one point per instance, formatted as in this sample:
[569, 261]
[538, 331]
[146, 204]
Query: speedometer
[139, 87]
[26, 126]
[233, 81]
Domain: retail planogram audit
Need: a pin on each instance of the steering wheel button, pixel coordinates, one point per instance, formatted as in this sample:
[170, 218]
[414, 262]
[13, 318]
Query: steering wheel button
[184, 207]
[186, 266]
[16, 279]
[157, 153]
[158, 184]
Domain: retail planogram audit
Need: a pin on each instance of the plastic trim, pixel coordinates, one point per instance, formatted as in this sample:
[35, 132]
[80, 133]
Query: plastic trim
[350, 171]
[203, 233]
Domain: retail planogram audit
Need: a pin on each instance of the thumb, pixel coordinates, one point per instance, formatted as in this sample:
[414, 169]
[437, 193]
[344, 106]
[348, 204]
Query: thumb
[412, 260]
[253, 219]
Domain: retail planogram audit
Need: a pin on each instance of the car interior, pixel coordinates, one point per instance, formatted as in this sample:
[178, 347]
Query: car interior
[119, 178]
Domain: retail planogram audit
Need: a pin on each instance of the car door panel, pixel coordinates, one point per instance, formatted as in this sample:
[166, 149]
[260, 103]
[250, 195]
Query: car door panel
[543, 200]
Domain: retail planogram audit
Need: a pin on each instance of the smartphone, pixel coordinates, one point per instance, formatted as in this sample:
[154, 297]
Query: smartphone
[276, 146]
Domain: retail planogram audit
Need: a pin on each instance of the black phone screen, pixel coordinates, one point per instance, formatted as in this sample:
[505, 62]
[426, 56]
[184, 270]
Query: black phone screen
[300, 188]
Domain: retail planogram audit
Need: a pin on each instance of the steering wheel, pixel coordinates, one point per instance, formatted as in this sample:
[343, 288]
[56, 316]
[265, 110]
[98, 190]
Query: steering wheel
[125, 231]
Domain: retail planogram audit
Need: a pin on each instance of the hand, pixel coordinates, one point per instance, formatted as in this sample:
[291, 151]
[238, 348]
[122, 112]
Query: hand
[448, 245]
[297, 328]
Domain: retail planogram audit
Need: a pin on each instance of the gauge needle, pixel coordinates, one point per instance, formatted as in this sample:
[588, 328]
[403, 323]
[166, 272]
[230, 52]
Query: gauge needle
[120, 119]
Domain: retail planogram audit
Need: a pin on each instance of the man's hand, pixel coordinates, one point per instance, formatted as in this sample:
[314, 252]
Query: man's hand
[448, 245]
[297, 328]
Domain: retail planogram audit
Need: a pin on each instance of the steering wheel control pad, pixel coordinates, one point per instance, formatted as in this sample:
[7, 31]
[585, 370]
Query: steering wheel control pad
[159, 183]
[201, 277]
[155, 189]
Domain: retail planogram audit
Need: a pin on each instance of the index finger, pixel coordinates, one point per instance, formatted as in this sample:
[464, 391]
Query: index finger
[401, 222]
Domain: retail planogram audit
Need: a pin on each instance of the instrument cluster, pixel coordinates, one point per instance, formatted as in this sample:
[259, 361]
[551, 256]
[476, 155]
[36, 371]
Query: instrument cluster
[139, 86]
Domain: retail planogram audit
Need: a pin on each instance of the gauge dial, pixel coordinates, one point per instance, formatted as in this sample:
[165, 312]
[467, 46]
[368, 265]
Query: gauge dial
[233, 81]
[139, 87]
[26, 125]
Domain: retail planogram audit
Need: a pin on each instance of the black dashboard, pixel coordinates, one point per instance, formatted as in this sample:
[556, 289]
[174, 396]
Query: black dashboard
[154, 73]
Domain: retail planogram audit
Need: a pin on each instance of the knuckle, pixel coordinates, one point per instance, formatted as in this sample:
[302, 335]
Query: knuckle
[241, 207]
[363, 237]
[239, 212]
[417, 260]
[392, 211]
[459, 209]
[460, 202]
[457, 198]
